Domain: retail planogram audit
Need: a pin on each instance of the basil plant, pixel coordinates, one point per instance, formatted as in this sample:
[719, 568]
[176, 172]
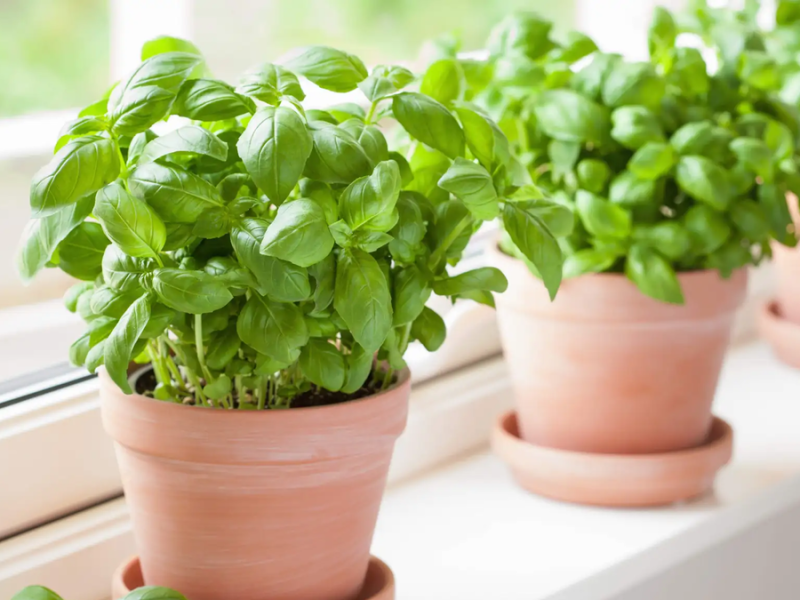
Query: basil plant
[258, 253]
[666, 166]
[148, 592]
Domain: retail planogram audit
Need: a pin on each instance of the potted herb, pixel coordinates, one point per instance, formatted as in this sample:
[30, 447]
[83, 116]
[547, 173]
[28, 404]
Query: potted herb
[676, 179]
[768, 63]
[270, 265]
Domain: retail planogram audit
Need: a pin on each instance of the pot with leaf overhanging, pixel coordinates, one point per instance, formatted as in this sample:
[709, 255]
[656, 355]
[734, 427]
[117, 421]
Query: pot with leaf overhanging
[268, 266]
[668, 184]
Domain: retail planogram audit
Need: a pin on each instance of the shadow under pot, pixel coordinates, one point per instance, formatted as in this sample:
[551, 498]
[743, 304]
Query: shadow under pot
[255, 505]
[605, 369]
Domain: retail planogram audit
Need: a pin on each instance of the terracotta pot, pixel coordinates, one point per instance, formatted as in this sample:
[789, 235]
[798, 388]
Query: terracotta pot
[613, 479]
[607, 369]
[378, 585]
[268, 505]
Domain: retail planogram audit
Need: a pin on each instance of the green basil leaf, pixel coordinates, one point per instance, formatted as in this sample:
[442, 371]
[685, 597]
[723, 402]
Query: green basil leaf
[282, 280]
[272, 328]
[369, 138]
[652, 160]
[219, 388]
[324, 274]
[78, 352]
[178, 235]
[708, 229]
[118, 348]
[536, 242]
[521, 33]
[653, 274]
[275, 147]
[299, 234]
[749, 218]
[484, 138]
[109, 302]
[122, 272]
[129, 222]
[81, 252]
[193, 292]
[576, 47]
[223, 348]
[74, 292]
[362, 298]
[147, 96]
[385, 81]
[628, 189]
[370, 241]
[634, 126]
[95, 357]
[337, 157]
[347, 111]
[589, 80]
[692, 138]
[704, 180]
[189, 138]
[568, 116]
[323, 364]
[165, 43]
[359, 366]
[212, 224]
[411, 292]
[631, 84]
[773, 201]
[429, 329]
[689, 71]
[137, 145]
[367, 198]
[269, 83]
[429, 122]
[36, 592]
[80, 127]
[589, 260]
[482, 279]
[329, 68]
[758, 69]
[443, 81]
[662, 33]
[558, 218]
[668, 237]
[178, 196]
[42, 236]
[210, 100]
[593, 174]
[755, 155]
[602, 218]
[472, 184]
[81, 167]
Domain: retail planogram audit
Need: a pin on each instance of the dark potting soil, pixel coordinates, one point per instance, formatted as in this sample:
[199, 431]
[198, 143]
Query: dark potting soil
[313, 397]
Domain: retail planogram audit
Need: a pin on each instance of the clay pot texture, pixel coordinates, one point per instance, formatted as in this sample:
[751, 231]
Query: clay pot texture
[255, 505]
[606, 369]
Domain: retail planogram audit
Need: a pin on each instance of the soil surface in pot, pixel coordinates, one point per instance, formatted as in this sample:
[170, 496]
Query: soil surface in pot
[316, 396]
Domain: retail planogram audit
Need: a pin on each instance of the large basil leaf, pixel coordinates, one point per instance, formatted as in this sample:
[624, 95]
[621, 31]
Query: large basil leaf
[269, 83]
[189, 138]
[329, 68]
[147, 96]
[129, 222]
[42, 236]
[299, 234]
[109, 302]
[482, 279]
[210, 100]
[272, 328]
[653, 274]
[362, 298]
[122, 272]
[385, 81]
[323, 364]
[602, 218]
[635, 126]
[367, 198]
[570, 117]
[411, 292]
[484, 138]
[629, 84]
[652, 160]
[529, 233]
[81, 252]
[708, 229]
[429, 329]
[443, 81]
[282, 280]
[118, 347]
[430, 122]
[81, 167]
[275, 147]
[472, 184]
[369, 138]
[177, 195]
[704, 180]
[337, 157]
[193, 292]
[628, 189]
[521, 33]
[359, 365]
[222, 348]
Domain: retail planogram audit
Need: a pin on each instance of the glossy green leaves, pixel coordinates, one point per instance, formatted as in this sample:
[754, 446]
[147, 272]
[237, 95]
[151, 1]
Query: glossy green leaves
[430, 122]
[129, 222]
[274, 147]
[299, 234]
[329, 68]
[272, 328]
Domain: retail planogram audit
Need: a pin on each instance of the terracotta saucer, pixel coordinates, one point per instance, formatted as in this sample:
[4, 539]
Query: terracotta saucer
[613, 479]
[379, 584]
[780, 333]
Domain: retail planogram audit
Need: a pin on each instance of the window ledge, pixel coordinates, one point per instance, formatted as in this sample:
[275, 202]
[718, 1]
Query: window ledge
[468, 531]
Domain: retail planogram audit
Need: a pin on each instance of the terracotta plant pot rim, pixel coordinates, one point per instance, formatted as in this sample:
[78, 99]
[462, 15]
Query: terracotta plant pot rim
[379, 584]
[402, 376]
[780, 333]
[613, 479]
